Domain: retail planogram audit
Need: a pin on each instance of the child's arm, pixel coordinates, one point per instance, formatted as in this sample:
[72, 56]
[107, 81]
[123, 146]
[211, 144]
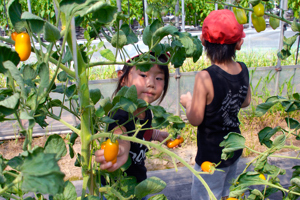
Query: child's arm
[248, 98]
[124, 147]
[195, 105]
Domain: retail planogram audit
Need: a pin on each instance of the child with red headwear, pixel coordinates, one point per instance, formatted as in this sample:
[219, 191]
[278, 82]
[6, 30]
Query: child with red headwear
[220, 91]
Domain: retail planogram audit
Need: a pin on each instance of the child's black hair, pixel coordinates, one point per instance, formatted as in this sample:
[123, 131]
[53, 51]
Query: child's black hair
[220, 53]
[126, 69]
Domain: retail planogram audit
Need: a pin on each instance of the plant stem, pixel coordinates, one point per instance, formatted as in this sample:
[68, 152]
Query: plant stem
[70, 126]
[161, 149]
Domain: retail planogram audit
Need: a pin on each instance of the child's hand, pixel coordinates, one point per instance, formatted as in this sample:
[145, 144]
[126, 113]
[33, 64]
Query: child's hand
[185, 98]
[121, 158]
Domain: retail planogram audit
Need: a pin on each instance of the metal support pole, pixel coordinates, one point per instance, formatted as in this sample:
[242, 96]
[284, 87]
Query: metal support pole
[5, 16]
[176, 16]
[250, 19]
[177, 77]
[146, 16]
[128, 11]
[119, 6]
[183, 16]
[29, 6]
[283, 5]
[216, 6]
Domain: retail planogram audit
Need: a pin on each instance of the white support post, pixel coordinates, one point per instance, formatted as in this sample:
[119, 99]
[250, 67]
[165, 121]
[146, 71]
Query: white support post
[29, 6]
[146, 16]
[216, 6]
[183, 16]
[250, 19]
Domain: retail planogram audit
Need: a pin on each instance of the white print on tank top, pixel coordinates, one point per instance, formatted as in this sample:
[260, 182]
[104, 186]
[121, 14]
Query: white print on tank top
[138, 158]
[231, 106]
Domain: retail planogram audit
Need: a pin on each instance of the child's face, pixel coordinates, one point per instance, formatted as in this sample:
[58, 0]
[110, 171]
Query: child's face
[149, 85]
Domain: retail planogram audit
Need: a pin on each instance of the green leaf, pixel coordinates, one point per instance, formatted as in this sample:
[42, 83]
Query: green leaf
[161, 32]
[36, 23]
[16, 162]
[68, 56]
[62, 76]
[131, 94]
[100, 112]
[179, 57]
[28, 73]
[156, 24]
[144, 67]
[43, 72]
[295, 26]
[106, 104]
[119, 39]
[158, 111]
[56, 145]
[69, 6]
[51, 33]
[199, 49]
[279, 142]
[142, 103]
[127, 105]
[296, 96]
[187, 41]
[151, 185]
[7, 53]
[25, 115]
[108, 54]
[11, 102]
[107, 120]
[158, 197]
[254, 2]
[262, 108]
[95, 95]
[90, 197]
[68, 194]
[130, 35]
[42, 174]
[232, 142]
[14, 11]
[295, 181]
[250, 178]
[266, 133]
[103, 12]
[16, 74]
[147, 36]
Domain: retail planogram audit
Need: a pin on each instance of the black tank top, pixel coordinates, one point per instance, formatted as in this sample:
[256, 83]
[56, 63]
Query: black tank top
[221, 115]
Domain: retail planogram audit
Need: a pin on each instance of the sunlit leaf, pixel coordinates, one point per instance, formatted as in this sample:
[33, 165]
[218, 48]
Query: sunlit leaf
[119, 39]
[103, 12]
[188, 43]
[56, 145]
[158, 197]
[232, 142]
[108, 54]
[11, 102]
[51, 33]
[42, 174]
[147, 36]
[36, 23]
[151, 185]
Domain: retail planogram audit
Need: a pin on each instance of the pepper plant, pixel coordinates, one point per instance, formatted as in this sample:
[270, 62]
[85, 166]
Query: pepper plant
[26, 98]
